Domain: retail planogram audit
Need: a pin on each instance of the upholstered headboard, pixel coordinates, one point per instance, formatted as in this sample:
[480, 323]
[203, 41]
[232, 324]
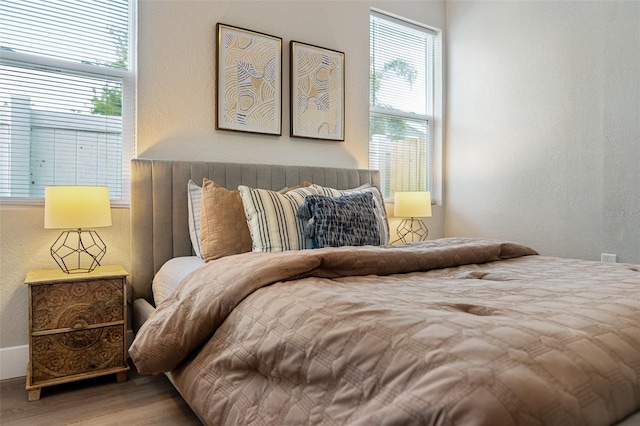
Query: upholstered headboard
[159, 213]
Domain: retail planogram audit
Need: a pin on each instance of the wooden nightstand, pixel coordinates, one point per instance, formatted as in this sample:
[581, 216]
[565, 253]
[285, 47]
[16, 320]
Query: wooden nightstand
[77, 326]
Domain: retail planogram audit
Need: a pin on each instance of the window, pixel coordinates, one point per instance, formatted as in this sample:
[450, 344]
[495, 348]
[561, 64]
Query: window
[66, 96]
[402, 104]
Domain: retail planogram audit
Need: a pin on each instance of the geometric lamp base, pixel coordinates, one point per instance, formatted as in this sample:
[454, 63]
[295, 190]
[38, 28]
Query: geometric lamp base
[78, 251]
[411, 230]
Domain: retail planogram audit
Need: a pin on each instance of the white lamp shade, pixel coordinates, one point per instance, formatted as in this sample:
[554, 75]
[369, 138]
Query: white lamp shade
[75, 207]
[412, 204]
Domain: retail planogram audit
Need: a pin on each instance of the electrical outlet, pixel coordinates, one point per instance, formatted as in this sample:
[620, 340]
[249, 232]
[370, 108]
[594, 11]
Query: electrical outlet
[608, 258]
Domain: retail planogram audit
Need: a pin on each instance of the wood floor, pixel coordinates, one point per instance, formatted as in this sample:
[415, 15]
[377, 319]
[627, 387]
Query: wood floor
[141, 400]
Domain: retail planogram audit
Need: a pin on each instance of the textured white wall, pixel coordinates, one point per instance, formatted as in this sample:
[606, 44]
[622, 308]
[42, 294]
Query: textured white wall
[176, 102]
[543, 133]
[176, 107]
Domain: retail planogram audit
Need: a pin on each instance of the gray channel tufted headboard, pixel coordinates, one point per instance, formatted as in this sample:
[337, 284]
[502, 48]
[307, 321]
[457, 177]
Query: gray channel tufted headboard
[159, 218]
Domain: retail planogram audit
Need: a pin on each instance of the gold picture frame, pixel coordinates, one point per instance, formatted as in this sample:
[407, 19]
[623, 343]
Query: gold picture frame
[249, 81]
[317, 92]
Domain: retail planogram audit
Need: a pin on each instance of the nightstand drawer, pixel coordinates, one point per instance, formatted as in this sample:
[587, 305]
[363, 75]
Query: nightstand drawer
[65, 354]
[76, 305]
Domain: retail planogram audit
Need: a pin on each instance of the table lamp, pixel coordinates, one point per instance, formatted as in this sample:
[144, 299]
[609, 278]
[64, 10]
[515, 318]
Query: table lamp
[411, 205]
[74, 208]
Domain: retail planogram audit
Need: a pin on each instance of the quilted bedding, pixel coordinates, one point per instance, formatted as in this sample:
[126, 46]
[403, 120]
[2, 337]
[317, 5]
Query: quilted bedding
[446, 332]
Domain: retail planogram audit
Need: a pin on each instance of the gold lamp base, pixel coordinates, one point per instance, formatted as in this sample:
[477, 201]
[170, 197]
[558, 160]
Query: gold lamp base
[78, 251]
[411, 230]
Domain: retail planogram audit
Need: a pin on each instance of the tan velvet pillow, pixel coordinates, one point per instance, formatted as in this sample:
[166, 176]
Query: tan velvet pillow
[223, 225]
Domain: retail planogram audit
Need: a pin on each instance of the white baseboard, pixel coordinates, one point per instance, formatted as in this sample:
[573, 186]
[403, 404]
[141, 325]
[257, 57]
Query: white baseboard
[13, 362]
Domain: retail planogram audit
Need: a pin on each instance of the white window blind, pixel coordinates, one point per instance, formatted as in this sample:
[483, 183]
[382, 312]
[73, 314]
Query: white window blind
[401, 107]
[66, 95]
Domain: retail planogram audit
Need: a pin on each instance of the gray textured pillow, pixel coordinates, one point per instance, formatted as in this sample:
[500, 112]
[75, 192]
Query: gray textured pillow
[347, 220]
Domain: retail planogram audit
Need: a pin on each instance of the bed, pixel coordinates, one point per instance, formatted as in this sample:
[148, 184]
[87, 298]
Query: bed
[452, 331]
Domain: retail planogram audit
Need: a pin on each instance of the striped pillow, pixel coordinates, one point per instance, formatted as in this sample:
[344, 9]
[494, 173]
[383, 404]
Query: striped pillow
[381, 214]
[272, 218]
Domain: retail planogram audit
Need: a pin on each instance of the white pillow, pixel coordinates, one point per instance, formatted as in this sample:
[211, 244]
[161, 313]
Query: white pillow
[380, 212]
[171, 273]
[272, 218]
[194, 197]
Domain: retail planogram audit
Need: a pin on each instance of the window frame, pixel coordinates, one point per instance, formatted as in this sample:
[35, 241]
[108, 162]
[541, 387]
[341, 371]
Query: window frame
[128, 78]
[434, 119]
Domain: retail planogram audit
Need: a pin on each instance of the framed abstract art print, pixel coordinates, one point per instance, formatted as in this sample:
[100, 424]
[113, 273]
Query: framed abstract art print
[249, 81]
[317, 92]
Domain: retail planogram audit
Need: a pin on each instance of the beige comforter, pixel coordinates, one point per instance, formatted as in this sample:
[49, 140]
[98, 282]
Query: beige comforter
[453, 332]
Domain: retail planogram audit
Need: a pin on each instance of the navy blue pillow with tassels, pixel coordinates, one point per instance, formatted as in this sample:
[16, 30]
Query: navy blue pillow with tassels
[347, 220]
